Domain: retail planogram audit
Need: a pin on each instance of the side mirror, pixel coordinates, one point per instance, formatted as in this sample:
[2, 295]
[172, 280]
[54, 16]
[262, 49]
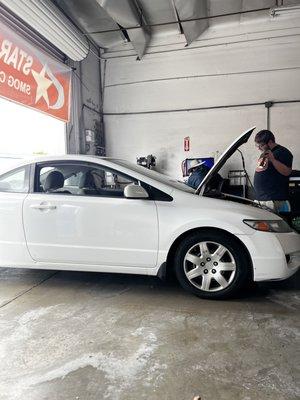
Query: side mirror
[133, 191]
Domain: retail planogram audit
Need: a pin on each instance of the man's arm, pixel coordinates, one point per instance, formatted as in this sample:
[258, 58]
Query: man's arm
[278, 165]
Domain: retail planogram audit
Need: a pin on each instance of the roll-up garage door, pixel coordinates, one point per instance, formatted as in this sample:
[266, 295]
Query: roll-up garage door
[49, 23]
[16, 24]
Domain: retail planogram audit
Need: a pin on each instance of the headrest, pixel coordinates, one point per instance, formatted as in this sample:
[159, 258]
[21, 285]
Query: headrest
[87, 181]
[98, 179]
[54, 180]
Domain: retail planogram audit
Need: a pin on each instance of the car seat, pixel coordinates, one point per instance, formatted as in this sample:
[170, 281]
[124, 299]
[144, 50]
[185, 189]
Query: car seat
[54, 181]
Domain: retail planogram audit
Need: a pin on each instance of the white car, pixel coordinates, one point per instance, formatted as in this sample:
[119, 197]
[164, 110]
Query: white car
[87, 213]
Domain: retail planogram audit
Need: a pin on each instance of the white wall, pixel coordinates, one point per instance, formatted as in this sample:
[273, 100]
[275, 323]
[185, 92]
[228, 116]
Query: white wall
[245, 62]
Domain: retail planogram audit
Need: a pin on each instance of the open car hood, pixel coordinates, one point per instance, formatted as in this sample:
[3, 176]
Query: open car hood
[243, 138]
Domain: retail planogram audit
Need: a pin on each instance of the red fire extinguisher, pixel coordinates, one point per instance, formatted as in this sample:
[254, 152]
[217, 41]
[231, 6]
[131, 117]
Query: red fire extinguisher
[186, 143]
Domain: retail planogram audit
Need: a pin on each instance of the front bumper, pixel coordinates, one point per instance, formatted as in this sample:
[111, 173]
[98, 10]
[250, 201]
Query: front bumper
[275, 256]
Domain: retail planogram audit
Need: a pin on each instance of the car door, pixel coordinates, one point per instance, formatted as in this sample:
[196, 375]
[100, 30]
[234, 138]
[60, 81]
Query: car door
[88, 221]
[14, 187]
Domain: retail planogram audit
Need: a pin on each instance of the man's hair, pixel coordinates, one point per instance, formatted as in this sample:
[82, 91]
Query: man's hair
[264, 136]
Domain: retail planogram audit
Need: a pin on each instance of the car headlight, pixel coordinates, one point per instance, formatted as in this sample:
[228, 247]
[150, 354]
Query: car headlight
[279, 225]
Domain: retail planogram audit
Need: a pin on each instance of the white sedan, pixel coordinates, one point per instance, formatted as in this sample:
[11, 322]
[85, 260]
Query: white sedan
[87, 213]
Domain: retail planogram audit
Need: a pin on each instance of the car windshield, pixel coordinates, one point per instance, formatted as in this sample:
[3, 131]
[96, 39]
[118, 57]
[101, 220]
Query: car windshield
[155, 175]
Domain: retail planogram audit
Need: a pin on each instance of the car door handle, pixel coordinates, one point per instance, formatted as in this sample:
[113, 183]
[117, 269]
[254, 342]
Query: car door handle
[43, 207]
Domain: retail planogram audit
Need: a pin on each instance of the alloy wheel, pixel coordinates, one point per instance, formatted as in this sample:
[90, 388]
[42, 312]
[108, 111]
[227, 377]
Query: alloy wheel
[209, 266]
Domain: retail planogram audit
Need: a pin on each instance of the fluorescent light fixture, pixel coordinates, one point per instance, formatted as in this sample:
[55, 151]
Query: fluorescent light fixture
[52, 24]
[288, 11]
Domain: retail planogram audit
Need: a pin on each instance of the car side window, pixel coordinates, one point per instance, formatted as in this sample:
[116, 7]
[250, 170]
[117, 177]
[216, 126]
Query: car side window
[16, 181]
[81, 179]
[104, 182]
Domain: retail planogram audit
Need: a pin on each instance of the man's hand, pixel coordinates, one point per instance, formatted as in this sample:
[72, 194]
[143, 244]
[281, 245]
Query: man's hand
[270, 156]
[279, 166]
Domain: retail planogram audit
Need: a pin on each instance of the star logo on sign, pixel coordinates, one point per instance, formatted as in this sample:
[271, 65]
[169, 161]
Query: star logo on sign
[43, 85]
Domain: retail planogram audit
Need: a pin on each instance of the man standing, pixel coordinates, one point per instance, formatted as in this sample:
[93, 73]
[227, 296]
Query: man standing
[274, 166]
[197, 171]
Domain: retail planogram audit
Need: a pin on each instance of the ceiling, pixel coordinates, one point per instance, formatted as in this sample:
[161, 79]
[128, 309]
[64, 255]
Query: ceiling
[109, 23]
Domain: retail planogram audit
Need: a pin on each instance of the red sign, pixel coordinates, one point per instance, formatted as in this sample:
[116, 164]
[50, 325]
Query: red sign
[31, 77]
[186, 143]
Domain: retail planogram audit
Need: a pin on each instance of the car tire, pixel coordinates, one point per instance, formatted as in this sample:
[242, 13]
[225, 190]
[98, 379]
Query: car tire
[212, 264]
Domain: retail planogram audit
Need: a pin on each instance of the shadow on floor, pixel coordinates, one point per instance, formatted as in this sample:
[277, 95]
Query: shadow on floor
[254, 291]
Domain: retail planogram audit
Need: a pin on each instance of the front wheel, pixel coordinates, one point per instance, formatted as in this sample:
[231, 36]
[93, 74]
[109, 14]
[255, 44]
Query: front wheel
[212, 265]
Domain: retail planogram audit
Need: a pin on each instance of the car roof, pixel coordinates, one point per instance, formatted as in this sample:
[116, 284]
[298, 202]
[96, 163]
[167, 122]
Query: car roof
[69, 157]
[20, 162]
[79, 157]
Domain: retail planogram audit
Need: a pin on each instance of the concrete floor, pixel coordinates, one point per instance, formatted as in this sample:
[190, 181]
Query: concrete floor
[85, 336]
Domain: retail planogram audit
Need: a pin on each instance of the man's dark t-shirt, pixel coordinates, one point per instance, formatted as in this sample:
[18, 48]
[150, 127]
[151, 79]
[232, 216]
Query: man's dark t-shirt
[269, 184]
